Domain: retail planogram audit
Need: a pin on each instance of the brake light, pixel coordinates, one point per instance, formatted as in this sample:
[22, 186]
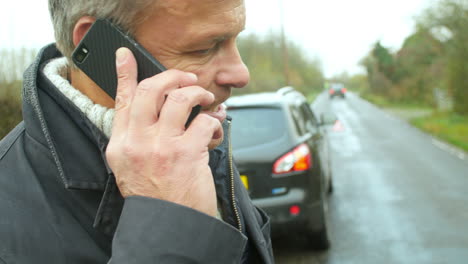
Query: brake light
[331, 91]
[343, 90]
[299, 159]
[295, 210]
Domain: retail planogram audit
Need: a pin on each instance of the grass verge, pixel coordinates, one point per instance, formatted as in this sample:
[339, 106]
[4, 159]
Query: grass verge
[448, 126]
[311, 96]
[386, 103]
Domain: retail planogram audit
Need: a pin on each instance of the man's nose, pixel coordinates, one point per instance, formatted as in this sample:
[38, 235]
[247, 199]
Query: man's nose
[233, 72]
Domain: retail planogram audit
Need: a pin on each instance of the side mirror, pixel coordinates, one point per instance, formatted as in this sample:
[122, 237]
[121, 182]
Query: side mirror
[327, 119]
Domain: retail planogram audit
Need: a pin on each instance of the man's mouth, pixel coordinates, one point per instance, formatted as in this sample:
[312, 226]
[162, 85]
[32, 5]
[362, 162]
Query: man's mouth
[218, 112]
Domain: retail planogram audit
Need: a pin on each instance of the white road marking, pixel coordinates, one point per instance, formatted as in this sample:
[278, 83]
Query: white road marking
[452, 150]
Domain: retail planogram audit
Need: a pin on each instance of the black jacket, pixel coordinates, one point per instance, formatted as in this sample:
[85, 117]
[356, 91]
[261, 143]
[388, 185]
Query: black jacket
[59, 202]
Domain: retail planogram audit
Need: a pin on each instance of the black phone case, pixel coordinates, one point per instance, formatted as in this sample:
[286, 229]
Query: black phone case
[102, 41]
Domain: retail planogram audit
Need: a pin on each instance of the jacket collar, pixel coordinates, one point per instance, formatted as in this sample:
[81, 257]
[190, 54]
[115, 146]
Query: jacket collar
[75, 144]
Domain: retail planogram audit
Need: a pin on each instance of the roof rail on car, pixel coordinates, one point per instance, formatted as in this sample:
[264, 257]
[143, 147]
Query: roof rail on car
[285, 90]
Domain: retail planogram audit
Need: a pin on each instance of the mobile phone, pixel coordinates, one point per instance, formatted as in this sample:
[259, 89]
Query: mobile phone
[95, 56]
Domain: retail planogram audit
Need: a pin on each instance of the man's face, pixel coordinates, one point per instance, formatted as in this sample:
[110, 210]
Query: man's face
[199, 36]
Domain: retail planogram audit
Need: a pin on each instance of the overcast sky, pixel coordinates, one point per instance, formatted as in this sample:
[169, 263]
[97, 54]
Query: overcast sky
[339, 32]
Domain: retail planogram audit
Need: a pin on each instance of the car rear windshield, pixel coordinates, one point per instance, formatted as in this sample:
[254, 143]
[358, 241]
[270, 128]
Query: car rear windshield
[337, 86]
[256, 126]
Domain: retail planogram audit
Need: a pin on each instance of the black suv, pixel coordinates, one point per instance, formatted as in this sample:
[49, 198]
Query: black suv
[337, 89]
[281, 152]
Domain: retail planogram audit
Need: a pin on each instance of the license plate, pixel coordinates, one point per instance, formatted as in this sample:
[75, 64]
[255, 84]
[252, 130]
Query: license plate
[245, 181]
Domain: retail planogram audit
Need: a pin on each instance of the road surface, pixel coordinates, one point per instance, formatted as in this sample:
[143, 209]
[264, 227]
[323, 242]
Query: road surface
[400, 196]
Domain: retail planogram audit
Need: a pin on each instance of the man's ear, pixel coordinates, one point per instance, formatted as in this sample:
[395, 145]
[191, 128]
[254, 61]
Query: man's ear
[81, 27]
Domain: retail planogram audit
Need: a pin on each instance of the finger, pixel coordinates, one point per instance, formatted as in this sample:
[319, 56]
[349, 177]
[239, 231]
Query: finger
[177, 108]
[150, 95]
[126, 68]
[203, 129]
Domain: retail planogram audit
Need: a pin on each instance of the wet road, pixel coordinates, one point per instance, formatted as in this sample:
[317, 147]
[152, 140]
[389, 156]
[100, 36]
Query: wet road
[400, 196]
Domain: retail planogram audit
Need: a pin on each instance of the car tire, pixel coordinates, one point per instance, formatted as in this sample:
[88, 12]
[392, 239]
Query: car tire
[330, 178]
[319, 239]
[330, 185]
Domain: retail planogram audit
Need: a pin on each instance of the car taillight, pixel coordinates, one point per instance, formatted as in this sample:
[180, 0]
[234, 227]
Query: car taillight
[343, 90]
[295, 210]
[331, 91]
[299, 159]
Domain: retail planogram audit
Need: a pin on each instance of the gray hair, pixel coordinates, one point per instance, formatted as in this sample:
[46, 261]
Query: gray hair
[65, 13]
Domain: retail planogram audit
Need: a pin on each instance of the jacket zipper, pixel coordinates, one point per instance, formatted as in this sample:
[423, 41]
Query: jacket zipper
[233, 195]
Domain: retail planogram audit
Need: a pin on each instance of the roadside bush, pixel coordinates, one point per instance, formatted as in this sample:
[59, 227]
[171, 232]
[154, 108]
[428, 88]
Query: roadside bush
[13, 62]
[10, 112]
[10, 107]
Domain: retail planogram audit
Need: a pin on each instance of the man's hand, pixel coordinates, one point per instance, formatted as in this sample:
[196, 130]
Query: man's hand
[150, 151]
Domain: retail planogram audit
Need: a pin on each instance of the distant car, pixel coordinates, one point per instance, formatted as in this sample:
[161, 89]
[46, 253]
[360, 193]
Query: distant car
[337, 89]
[281, 152]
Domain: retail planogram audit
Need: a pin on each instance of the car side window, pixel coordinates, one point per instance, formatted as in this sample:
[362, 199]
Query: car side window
[309, 117]
[298, 120]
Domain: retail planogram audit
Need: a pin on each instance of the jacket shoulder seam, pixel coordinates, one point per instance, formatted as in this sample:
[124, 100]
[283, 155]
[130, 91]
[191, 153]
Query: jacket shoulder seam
[10, 139]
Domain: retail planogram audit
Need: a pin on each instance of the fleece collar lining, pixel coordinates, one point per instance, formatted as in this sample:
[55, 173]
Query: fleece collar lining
[100, 116]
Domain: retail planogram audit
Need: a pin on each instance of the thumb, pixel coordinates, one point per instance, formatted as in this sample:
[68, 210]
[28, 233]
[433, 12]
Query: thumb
[126, 68]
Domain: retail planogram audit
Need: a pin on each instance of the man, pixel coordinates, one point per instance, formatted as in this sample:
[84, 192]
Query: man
[85, 179]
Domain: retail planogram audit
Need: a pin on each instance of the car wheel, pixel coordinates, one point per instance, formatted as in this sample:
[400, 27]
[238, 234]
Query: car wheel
[330, 178]
[330, 185]
[319, 239]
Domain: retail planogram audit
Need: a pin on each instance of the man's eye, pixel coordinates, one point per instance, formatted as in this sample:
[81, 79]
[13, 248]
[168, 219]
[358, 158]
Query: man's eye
[206, 51]
[203, 52]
